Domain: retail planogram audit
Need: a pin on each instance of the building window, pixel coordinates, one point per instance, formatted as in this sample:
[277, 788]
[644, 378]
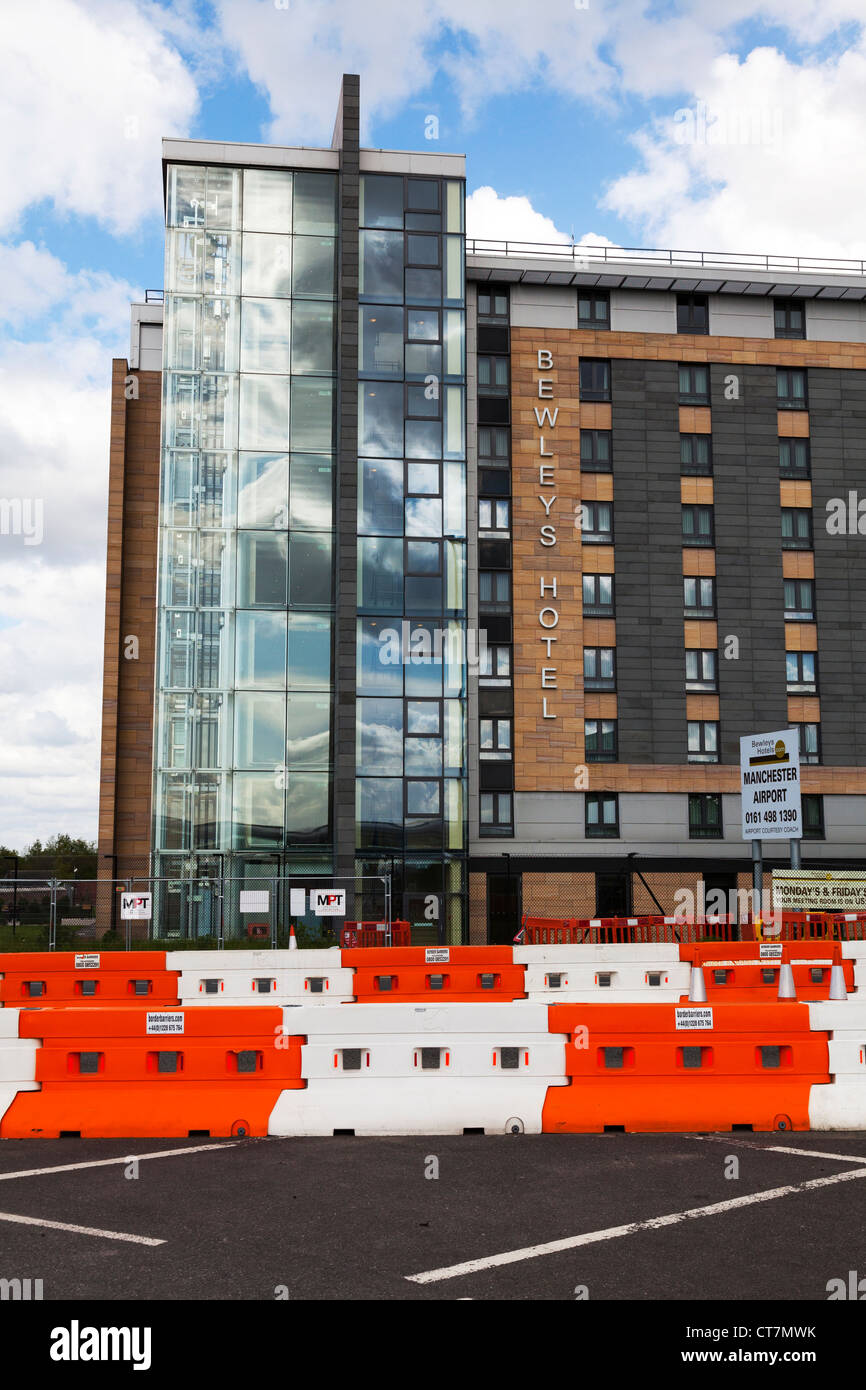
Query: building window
[494, 586]
[493, 515]
[601, 815]
[810, 743]
[799, 600]
[598, 595]
[496, 812]
[594, 380]
[801, 671]
[705, 816]
[789, 318]
[593, 310]
[699, 597]
[791, 388]
[495, 738]
[495, 662]
[697, 525]
[493, 444]
[492, 304]
[701, 670]
[703, 740]
[599, 737]
[599, 668]
[595, 451]
[794, 458]
[694, 385]
[693, 315]
[696, 454]
[796, 528]
[596, 523]
[493, 375]
[813, 817]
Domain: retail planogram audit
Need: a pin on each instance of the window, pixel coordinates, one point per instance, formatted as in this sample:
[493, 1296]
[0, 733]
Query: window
[801, 671]
[799, 600]
[789, 318]
[594, 380]
[597, 522]
[493, 515]
[493, 444]
[493, 374]
[810, 743]
[697, 525]
[493, 303]
[595, 451]
[794, 458]
[791, 388]
[494, 586]
[813, 817]
[495, 738]
[496, 812]
[601, 815]
[699, 597]
[796, 528]
[694, 385]
[599, 668]
[599, 737]
[705, 816]
[495, 662]
[703, 741]
[693, 315]
[593, 310]
[696, 454]
[700, 670]
[598, 595]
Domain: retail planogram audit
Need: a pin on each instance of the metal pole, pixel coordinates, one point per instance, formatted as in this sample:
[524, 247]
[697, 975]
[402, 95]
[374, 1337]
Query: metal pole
[389, 933]
[273, 914]
[128, 931]
[796, 861]
[758, 876]
[52, 917]
[15, 896]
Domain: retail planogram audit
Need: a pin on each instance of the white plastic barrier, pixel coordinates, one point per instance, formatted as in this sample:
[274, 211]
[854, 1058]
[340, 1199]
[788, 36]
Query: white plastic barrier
[842, 1104]
[261, 977]
[415, 1069]
[627, 973]
[17, 1060]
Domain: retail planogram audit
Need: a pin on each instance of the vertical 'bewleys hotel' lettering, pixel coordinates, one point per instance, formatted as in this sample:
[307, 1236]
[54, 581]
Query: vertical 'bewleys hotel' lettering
[548, 615]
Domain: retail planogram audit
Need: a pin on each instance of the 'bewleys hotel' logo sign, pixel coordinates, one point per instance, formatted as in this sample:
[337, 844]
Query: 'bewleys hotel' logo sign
[548, 614]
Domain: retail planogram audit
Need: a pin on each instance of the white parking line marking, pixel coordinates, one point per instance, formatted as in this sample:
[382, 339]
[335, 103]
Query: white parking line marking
[106, 1162]
[778, 1148]
[78, 1230]
[553, 1247]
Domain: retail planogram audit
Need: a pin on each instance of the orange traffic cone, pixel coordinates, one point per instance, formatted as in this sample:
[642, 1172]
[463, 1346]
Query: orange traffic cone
[293, 945]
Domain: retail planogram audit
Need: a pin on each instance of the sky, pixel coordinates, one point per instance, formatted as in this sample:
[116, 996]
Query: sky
[688, 124]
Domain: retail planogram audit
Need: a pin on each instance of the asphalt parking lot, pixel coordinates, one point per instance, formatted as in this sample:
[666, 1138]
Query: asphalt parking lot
[561, 1217]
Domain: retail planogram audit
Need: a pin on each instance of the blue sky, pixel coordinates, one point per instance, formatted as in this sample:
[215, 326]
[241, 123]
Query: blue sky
[689, 123]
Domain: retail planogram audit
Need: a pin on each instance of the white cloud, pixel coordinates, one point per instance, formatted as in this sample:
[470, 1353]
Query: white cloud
[86, 92]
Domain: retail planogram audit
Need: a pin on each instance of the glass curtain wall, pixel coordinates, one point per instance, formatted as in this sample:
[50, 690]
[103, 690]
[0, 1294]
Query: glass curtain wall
[243, 743]
[410, 749]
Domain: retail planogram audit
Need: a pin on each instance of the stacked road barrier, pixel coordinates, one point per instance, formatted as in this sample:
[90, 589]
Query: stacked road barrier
[588, 1025]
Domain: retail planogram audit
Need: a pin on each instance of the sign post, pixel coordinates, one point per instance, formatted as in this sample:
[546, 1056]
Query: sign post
[770, 796]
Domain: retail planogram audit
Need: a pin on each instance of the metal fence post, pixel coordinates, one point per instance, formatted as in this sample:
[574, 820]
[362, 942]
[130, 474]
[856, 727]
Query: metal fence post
[274, 911]
[52, 916]
[128, 927]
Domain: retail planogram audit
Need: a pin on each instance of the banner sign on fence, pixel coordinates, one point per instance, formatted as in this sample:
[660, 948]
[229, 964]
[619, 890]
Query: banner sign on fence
[136, 907]
[255, 900]
[88, 961]
[328, 902]
[770, 786]
[297, 902]
[164, 1023]
[819, 890]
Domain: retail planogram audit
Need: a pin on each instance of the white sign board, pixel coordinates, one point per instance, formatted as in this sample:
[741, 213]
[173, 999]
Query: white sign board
[770, 786]
[87, 960]
[694, 1018]
[165, 1023]
[328, 902]
[437, 955]
[136, 907]
[297, 901]
[255, 900]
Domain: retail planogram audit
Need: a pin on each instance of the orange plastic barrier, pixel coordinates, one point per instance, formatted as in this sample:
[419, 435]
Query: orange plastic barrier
[446, 974]
[738, 974]
[367, 934]
[61, 977]
[599, 931]
[630, 1067]
[104, 1075]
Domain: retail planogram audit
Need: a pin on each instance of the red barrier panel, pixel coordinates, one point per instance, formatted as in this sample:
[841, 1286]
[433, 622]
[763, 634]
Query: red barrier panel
[367, 934]
[82, 977]
[741, 974]
[455, 974]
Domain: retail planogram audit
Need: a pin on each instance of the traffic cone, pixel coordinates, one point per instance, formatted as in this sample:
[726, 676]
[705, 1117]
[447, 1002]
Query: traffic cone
[837, 981]
[697, 986]
[293, 945]
[787, 988]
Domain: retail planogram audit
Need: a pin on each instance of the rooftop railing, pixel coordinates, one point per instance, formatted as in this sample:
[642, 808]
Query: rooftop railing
[587, 257]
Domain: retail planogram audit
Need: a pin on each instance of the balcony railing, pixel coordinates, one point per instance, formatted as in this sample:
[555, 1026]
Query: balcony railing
[587, 257]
